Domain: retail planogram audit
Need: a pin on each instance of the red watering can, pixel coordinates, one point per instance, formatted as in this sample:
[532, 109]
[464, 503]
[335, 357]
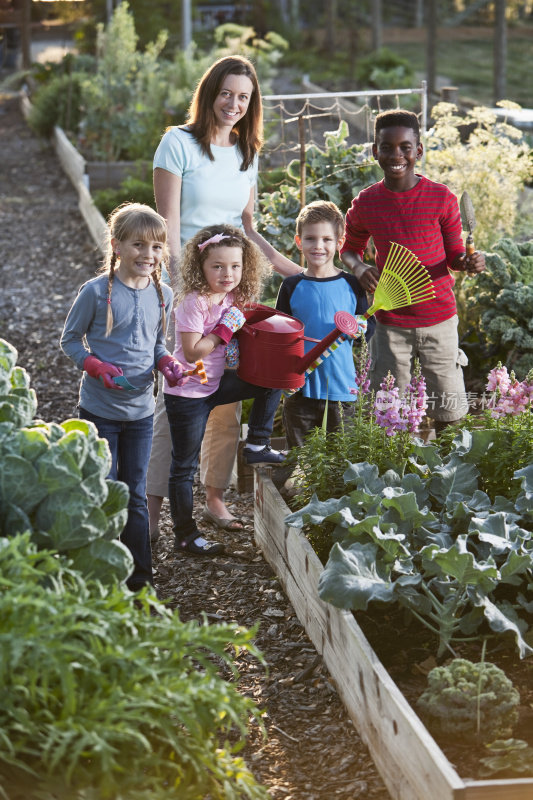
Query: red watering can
[271, 347]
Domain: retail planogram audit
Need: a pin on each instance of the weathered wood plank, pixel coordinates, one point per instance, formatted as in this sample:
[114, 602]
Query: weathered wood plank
[71, 159]
[93, 218]
[517, 789]
[410, 762]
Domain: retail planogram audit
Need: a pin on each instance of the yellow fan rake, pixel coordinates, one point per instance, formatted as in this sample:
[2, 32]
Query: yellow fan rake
[404, 281]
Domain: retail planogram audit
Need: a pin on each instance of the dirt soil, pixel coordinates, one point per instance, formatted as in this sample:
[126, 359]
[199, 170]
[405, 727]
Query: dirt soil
[312, 751]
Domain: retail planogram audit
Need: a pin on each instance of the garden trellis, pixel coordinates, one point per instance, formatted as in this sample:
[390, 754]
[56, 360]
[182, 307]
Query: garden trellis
[294, 122]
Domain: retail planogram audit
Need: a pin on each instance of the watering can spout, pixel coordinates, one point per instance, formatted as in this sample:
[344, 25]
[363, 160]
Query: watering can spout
[345, 325]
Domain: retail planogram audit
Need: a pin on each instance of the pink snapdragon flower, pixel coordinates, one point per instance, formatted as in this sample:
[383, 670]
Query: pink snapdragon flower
[404, 413]
[511, 397]
[498, 379]
[362, 368]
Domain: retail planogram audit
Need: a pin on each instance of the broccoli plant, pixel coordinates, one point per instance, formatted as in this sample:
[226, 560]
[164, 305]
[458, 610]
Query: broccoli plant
[464, 699]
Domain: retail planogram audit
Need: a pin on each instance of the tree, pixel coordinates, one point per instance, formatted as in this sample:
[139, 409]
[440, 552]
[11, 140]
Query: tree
[500, 50]
[431, 46]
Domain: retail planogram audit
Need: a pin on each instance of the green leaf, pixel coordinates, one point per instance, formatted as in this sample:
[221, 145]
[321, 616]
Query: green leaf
[406, 507]
[460, 564]
[315, 511]
[428, 453]
[19, 483]
[366, 476]
[105, 561]
[454, 477]
[354, 577]
[116, 508]
[501, 622]
[8, 356]
[525, 476]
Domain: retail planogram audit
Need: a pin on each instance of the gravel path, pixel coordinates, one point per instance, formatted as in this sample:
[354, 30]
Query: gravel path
[312, 751]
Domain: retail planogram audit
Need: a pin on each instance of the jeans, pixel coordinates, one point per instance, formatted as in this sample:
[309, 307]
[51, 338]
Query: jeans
[130, 442]
[187, 418]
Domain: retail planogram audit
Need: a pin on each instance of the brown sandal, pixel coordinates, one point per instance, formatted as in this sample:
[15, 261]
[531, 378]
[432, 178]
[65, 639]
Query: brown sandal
[234, 524]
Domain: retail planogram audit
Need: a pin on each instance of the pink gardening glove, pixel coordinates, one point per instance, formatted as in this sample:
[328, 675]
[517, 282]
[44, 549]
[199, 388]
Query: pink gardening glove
[229, 323]
[171, 369]
[103, 371]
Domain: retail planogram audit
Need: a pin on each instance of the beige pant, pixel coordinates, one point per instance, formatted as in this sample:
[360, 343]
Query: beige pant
[394, 349]
[219, 446]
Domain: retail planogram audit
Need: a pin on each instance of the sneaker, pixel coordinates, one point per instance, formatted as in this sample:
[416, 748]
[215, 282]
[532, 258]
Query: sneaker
[199, 547]
[264, 457]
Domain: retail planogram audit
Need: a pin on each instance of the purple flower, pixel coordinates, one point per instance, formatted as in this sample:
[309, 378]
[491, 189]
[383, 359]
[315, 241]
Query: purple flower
[404, 413]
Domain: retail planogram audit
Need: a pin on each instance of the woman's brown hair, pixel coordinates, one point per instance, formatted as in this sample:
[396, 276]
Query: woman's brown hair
[201, 119]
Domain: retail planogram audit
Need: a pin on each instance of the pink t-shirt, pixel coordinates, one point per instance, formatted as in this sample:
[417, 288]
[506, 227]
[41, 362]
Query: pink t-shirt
[196, 314]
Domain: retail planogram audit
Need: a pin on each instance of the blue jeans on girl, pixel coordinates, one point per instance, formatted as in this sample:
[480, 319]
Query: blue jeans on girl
[187, 418]
[130, 442]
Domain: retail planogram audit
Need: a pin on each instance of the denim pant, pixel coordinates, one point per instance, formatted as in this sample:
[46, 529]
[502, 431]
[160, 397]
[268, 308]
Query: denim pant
[187, 418]
[130, 442]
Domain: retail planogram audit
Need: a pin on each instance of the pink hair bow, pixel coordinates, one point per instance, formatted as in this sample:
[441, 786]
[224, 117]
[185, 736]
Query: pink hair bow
[213, 240]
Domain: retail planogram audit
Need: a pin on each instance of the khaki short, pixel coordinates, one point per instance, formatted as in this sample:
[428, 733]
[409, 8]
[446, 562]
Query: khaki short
[394, 349]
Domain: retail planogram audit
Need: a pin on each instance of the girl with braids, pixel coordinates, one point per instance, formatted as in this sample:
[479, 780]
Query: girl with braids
[221, 272]
[115, 333]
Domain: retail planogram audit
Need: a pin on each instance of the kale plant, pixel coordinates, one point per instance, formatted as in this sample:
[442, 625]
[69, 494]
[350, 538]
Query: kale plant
[499, 305]
[465, 701]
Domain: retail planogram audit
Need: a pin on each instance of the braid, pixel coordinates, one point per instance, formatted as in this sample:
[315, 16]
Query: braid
[156, 274]
[109, 319]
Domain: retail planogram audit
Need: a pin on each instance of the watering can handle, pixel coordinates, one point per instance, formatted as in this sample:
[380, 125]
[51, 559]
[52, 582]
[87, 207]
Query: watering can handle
[249, 329]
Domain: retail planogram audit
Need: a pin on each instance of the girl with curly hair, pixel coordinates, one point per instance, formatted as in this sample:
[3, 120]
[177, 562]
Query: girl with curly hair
[221, 272]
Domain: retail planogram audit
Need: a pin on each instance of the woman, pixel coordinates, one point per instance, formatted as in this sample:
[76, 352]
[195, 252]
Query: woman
[205, 173]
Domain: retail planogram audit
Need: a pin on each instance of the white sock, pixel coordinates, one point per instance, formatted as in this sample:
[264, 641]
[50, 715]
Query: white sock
[200, 541]
[255, 447]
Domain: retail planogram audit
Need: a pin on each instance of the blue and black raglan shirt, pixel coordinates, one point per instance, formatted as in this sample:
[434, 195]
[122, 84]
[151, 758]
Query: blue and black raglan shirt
[314, 301]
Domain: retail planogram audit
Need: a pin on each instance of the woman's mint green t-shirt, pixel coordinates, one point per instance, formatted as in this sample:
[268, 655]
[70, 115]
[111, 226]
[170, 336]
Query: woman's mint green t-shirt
[212, 192]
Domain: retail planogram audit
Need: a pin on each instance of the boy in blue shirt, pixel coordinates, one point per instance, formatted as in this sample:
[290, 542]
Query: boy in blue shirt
[313, 296]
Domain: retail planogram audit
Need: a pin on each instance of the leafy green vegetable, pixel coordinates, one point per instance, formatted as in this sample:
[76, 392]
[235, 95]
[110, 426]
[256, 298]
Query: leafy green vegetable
[432, 542]
[507, 757]
[500, 304]
[105, 694]
[53, 481]
[465, 700]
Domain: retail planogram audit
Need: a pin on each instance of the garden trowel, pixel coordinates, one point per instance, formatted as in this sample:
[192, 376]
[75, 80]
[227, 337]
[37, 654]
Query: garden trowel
[468, 220]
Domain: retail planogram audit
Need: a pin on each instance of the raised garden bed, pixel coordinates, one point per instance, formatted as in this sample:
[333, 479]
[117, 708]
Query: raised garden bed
[411, 763]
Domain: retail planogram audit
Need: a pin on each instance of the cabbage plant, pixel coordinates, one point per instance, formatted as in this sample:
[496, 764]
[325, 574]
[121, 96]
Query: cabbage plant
[53, 481]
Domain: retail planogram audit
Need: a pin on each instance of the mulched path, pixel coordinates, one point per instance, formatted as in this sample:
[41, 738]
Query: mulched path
[312, 751]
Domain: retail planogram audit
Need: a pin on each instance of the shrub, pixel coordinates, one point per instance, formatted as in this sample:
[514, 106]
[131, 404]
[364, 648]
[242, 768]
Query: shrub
[383, 69]
[57, 103]
[133, 189]
[492, 161]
